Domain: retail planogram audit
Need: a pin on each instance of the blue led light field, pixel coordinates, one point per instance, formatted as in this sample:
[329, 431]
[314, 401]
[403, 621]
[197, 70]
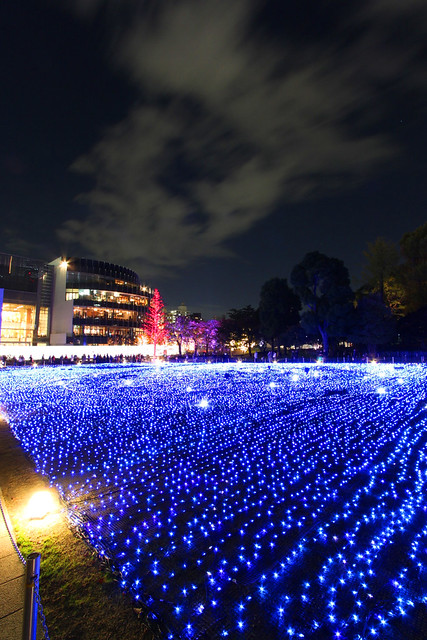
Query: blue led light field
[244, 501]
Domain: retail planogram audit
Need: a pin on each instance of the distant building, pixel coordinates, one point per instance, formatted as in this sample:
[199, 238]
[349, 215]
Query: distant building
[173, 314]
[25, 300]
[74, 301]
[182, 310]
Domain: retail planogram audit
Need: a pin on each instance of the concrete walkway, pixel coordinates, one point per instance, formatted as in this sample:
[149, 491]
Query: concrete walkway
[16, 475]
[12, 577]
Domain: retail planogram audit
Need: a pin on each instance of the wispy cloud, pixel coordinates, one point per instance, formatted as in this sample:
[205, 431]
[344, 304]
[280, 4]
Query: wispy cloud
[229, 125]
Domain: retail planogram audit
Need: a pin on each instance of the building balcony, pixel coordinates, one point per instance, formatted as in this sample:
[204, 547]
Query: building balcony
[106, 304]
[106, 322]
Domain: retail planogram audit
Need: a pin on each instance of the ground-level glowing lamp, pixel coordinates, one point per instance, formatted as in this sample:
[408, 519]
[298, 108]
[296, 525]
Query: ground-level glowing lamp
[40, 505]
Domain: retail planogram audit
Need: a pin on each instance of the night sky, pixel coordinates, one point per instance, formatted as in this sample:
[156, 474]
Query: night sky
[210, 144]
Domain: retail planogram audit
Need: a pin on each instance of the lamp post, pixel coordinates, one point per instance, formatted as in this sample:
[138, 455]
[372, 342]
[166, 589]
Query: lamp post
[29, 629]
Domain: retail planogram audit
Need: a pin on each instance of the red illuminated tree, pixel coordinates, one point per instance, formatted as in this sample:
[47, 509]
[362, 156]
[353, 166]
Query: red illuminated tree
[154, 325]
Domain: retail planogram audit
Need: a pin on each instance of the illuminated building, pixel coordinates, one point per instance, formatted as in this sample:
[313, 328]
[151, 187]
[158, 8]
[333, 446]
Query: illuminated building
[73, 300]
[97, 303]
[173, 314]
[25, 300]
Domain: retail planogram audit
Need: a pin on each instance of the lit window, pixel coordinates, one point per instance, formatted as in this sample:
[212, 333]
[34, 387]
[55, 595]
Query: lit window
[17, 323]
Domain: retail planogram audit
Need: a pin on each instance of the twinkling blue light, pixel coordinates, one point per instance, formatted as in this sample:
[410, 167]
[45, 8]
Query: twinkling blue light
[275, 500]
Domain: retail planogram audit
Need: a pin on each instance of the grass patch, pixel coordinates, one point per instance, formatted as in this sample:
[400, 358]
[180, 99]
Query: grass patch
[81, 600]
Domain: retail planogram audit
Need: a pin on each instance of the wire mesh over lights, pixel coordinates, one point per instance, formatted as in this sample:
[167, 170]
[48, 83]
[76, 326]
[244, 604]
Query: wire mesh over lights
[241, 500]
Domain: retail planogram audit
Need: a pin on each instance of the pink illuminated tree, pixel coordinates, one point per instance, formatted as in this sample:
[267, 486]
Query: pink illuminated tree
[154, 325]
[179, 331]
[211, 328]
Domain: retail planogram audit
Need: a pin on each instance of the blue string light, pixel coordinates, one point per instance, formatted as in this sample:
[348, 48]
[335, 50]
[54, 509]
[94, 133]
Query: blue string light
[281, 501]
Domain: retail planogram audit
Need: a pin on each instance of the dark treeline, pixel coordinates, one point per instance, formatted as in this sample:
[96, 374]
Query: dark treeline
[318, 305]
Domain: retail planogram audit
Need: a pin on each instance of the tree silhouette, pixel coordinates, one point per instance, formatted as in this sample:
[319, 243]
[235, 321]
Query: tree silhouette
[382, 260]
[278, 310]
[413, 329]
[243, 326]
[154, 325]
[323, 284]
[413, 247]
[373, 323]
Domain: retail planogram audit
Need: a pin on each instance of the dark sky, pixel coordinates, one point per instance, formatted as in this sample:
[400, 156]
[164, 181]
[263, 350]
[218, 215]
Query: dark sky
[210, 144]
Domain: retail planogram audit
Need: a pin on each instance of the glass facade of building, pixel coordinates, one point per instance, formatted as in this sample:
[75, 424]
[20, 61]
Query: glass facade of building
[26, 286]
[17, 323]
[109, 302]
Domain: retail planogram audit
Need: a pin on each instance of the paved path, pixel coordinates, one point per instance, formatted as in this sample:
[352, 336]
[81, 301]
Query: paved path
[13, 465]
[12, 573]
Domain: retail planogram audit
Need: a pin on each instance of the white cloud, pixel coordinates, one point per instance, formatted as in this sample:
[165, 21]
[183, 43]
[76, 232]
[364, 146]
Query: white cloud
[227, 127]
